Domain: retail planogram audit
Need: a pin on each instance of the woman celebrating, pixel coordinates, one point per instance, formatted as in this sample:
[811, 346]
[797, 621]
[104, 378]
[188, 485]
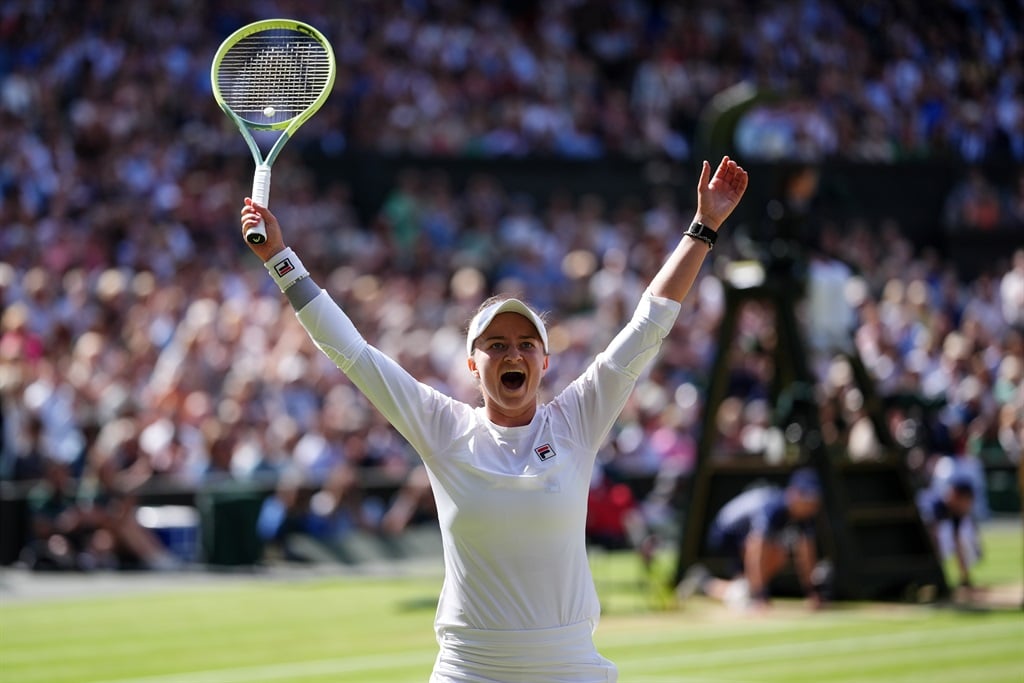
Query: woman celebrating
[511, 477]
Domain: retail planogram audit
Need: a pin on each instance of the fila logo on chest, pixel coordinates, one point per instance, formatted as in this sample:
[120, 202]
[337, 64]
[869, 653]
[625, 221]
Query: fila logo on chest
[545, 452]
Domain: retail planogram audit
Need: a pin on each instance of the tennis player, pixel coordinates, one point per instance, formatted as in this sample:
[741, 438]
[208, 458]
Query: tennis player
[511, 477]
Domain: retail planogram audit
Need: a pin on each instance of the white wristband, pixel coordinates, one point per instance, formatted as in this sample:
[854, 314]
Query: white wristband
[286, 268]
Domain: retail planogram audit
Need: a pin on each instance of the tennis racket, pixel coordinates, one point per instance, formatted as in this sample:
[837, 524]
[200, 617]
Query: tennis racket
[271, 75]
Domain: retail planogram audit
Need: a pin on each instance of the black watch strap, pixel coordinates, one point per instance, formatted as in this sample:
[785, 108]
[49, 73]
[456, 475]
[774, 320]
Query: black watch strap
[699, 231]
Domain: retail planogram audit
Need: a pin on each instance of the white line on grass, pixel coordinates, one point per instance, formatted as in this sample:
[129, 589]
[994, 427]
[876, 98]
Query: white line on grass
[816, 648]
[687, 679]
[966, 662]
[292, 670]
[967, 671]
[746, 653]
[615, 634]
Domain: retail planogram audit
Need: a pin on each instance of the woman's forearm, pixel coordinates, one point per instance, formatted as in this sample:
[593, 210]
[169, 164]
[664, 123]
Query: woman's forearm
[676, 277]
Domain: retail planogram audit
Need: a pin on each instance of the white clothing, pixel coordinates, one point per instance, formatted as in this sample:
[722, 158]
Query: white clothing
[547, 655]
[511, 501]
[1011, 293]
[831, 319]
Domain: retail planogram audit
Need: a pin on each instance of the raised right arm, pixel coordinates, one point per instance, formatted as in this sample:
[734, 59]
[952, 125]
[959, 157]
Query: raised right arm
[421, 414]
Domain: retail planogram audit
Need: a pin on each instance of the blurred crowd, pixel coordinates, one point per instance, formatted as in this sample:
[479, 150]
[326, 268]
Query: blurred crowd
[876, 80]
[142, 346]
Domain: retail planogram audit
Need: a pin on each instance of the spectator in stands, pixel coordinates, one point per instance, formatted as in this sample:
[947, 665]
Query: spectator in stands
[28, 462]
[412, 498]
[974, 204]
[115, 470]
[1011, 291]
[475, 79]
[1010, 433]
[757, 532]
[615, 520]
[1015, 202]
[64, 533]
[74, 525]
[285, 517]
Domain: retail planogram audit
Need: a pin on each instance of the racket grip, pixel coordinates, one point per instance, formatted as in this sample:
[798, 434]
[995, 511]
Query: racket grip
[261, 195]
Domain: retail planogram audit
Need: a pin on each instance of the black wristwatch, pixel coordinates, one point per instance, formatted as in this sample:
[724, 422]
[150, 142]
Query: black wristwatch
[699, 231]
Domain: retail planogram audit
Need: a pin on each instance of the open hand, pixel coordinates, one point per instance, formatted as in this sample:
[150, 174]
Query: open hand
[717, 196]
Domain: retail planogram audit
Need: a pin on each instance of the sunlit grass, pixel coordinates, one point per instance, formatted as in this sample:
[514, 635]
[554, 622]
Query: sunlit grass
[376, 630]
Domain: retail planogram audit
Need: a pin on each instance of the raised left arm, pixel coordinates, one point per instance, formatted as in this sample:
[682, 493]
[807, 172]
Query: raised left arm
[717, 196]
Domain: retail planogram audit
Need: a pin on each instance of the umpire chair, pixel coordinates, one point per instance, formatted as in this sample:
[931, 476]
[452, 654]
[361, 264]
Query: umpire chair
[870, 529]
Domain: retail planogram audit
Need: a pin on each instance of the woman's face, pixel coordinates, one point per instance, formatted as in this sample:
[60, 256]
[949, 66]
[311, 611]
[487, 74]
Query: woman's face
[508, 359]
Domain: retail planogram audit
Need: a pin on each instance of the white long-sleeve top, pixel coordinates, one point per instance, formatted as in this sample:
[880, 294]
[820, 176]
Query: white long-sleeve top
[511, 501]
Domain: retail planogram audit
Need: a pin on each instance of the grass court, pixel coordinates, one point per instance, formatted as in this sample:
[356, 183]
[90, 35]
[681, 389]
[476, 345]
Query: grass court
[360, 629]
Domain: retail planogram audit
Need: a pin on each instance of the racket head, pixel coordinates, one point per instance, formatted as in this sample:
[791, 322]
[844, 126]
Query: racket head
[273, 74]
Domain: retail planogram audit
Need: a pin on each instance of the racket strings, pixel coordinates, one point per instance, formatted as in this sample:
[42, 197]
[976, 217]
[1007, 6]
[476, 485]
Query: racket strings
[286, 73]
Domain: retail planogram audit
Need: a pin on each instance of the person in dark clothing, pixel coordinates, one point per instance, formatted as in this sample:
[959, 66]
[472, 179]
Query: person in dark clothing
[65, 533]
[759, 530]
[946, 513]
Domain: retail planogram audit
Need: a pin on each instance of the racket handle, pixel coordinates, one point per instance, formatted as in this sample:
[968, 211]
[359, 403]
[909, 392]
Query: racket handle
[261, 195]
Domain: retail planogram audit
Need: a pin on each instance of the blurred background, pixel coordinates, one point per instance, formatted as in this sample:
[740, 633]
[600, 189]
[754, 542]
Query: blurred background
[162, 409]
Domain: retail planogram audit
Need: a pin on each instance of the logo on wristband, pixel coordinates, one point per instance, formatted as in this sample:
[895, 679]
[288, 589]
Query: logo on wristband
[283, 267]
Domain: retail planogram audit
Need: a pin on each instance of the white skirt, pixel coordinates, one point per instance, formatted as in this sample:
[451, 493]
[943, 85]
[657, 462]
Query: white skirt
[551, 655]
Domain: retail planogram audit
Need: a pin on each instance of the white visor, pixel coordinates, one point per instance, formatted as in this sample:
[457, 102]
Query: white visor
[482, 319]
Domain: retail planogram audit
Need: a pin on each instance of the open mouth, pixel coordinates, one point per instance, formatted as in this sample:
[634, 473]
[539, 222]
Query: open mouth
[513, 379]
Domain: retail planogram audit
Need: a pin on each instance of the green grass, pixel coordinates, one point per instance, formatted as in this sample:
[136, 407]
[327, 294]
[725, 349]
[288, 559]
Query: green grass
[1003, 555]
[367, 630]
